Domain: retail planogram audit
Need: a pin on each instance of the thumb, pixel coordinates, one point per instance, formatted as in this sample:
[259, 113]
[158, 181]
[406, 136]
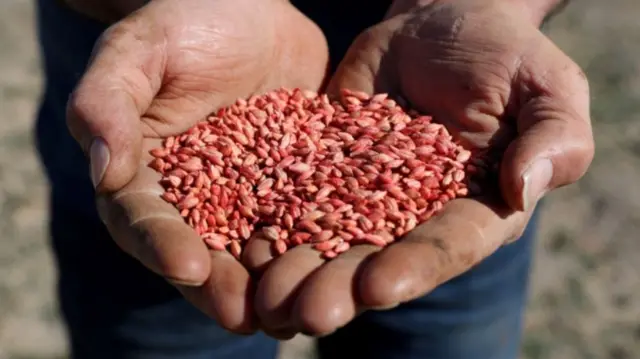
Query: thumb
[362, 68]
[555, 145]
[356, 72]
[103, 112]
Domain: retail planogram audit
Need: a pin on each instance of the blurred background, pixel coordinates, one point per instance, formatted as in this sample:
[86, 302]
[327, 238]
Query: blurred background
[585, 299]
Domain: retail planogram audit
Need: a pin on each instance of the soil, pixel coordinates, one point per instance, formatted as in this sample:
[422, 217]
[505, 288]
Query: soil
[585, 298]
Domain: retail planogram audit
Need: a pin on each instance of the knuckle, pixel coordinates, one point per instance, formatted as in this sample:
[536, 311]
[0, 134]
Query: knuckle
[579, 146]
[576, 79]
[515, 235]
[372, 36]
[518, 228]
[237, 323]
[77, 112]
[580, 76]
[444, 253]
[584, 156]
[77, 105]
[365, 40]
[190, 272]
[312, 324]
[115, 36]
[127, 34]
[114, 32]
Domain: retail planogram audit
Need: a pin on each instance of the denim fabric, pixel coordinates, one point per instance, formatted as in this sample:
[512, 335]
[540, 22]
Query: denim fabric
[477, 315]
[115, 308]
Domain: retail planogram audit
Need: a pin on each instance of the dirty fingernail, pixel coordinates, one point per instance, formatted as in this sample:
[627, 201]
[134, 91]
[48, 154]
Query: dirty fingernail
[536, 180]
[99, 157]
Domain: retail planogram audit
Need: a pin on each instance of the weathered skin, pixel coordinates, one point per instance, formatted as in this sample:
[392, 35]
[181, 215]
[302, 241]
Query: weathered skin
[156, 73]
[481, 67]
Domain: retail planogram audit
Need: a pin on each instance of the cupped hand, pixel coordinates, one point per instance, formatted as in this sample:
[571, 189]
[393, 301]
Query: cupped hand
[155, 74]
[486, 72]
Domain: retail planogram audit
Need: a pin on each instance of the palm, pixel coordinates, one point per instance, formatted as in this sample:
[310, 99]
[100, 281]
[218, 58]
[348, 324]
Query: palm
[191, 60]
[473, 67]
[206, 56]
[464, 76]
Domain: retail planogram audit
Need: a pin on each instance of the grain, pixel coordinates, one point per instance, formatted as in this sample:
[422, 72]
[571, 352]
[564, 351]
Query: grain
[297, 167]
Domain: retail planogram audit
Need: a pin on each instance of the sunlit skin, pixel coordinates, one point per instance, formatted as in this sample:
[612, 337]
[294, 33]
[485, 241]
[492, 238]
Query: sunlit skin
[155, 74]
[482, 68]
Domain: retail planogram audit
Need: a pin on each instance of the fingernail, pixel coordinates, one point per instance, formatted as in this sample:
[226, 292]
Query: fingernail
[536, 180]
[99, 159]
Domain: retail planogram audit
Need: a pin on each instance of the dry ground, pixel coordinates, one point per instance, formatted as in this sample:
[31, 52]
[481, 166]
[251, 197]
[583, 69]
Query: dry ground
[585, 301]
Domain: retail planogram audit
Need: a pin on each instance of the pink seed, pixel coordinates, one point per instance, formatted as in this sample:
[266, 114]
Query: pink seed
[310, 169]
[235, 248]
[327, 245]
[377, 196]
[244, 231]
[215, 244]
[286, 162]
[463, 156]
[266, 184]
[322, 236]
[324, 192]
[159, 152]
[458, 175]
[170, 197]
[342, 247]
[313, 216]
[193, 164]
[280, 246]
[299, 167]
[375, 240]
[301, 237]
[271, 233]
[288, 221]
[309, 226]
[188, 202]
[329, 254]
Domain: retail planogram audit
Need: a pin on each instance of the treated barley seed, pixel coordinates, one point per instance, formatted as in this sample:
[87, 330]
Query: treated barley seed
[301, 168]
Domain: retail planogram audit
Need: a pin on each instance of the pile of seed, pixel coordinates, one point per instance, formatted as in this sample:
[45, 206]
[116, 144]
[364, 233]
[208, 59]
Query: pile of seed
[302, 168]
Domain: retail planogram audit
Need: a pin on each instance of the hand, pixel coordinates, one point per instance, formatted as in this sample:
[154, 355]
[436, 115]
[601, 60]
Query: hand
[487, 72]
[155, 74]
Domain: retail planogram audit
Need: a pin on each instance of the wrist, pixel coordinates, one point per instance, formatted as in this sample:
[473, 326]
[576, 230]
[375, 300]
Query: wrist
[536, 10]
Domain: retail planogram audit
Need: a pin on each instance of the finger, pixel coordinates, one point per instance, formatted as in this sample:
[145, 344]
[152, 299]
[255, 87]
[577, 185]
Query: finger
[152, 230]
[227, 294]
[329, 298]
[360, 69]
[103, 112]
[555, 145]
[280, 283]
[464, 233]
[280, 334]
[258, 254]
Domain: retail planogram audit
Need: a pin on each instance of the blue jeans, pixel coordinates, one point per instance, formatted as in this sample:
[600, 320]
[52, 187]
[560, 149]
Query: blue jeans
[116, 309]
